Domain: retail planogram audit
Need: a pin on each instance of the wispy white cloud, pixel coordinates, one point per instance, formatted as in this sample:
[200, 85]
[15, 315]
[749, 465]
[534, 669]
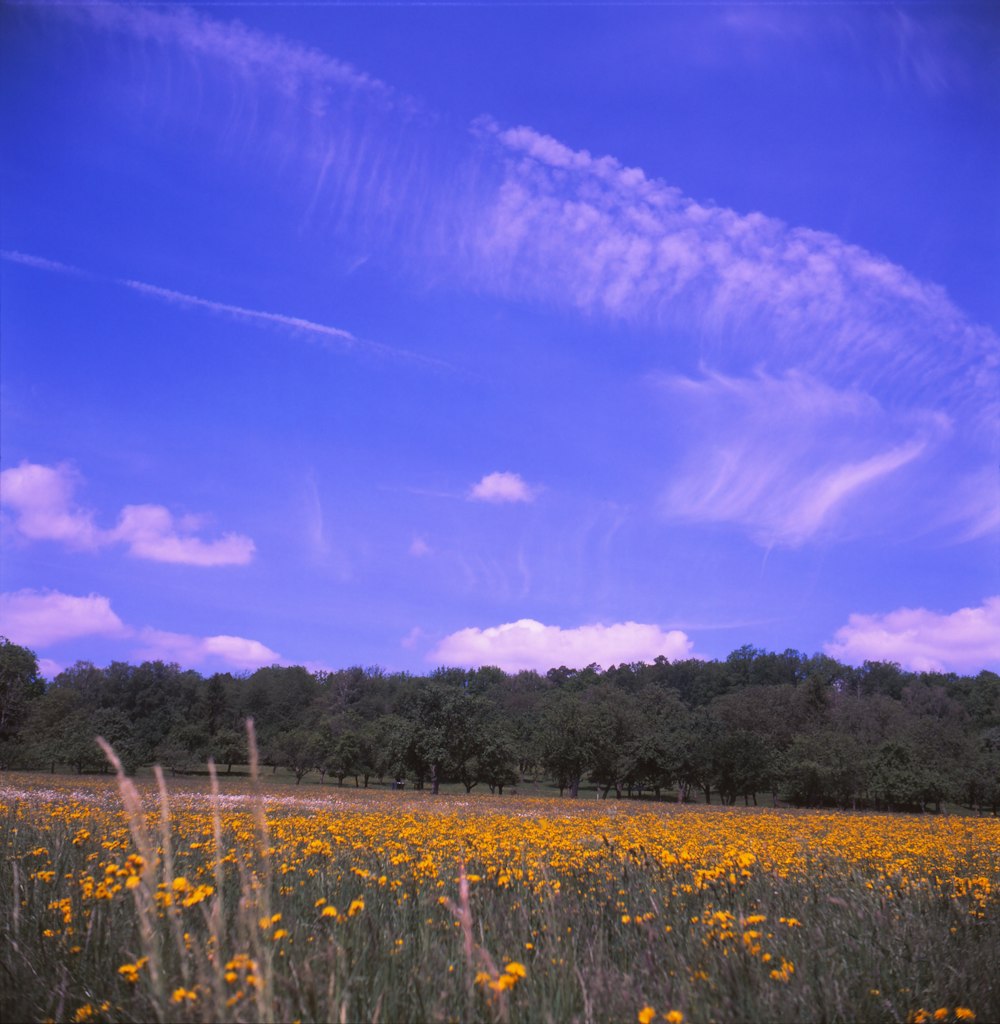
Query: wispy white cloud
[970, 507]
[502, 488]
[782, 456]
[412, 638]
[295, 70]
[966, 640]
[528, 644]
[571, 228]
[419, 547]
[517, 213]
[38, 618]
[41, 498]
[929, 48]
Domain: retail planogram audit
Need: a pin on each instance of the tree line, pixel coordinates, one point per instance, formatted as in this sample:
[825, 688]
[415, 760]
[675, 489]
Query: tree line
[805, 730]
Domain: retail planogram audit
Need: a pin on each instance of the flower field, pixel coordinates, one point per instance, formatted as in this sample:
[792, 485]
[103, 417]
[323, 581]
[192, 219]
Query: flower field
[258, 903]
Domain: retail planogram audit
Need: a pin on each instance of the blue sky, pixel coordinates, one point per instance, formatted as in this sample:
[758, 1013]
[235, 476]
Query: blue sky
[491, 334]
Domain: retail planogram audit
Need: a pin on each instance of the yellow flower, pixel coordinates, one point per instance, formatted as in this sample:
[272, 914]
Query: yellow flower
[516, 969]
[330, 911]
[181, 995]
[180, 884]
[964, 1013]
[674, 1017]
[646, 1015]
[941, 1013]
[197, 895]
[279, 934]
[356, 907]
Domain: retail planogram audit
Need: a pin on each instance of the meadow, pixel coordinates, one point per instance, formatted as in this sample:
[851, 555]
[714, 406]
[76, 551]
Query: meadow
[187, 900]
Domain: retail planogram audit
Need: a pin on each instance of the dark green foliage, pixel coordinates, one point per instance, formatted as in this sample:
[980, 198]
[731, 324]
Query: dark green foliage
[806, 730]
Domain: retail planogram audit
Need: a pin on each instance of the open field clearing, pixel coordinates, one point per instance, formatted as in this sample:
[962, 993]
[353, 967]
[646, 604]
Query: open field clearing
[356, 905]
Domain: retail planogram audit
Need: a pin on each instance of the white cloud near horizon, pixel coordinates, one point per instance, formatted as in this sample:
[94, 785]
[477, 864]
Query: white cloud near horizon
[529, 644]
[502, 488]
[41, 498]
[195, 651]
[966, 640]
[781, 457]
[42, 618]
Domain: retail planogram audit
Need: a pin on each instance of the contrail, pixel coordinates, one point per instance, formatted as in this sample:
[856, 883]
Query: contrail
[346, 339]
